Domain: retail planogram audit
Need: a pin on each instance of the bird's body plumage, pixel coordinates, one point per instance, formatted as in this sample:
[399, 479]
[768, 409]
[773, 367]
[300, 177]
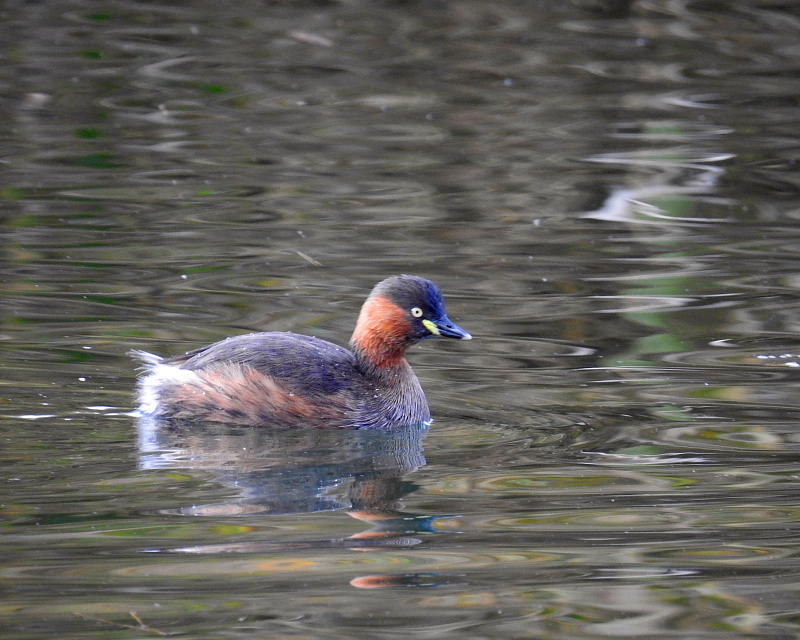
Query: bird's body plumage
[291, 380]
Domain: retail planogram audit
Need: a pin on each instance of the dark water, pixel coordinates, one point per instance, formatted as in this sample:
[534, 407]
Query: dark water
[606, 191]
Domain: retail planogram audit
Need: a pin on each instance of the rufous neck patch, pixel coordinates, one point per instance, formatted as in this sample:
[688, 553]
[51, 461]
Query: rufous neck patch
[382, 332]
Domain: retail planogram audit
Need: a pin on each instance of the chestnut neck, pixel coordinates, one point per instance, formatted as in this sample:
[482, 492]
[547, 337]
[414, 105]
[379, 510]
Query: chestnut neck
[382, 336]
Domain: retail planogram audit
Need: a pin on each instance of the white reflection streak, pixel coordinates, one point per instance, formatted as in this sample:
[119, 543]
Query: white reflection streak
[623, 204]
[159, 69]
[647, 303]
[642, 459]
[619, 207]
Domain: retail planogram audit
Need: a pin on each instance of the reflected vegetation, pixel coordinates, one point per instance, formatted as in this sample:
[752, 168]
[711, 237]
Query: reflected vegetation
[606, 190]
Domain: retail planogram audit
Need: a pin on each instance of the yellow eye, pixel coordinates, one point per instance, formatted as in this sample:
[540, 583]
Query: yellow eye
[416, 312]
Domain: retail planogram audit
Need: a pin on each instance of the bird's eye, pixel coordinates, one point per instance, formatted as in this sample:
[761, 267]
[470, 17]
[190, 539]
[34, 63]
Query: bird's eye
[416, 312]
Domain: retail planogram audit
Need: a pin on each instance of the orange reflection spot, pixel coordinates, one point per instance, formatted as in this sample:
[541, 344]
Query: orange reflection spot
[284, 565]
[376, 582]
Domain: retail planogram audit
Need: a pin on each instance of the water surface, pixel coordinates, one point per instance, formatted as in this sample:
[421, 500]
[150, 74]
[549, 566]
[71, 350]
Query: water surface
[606, 191]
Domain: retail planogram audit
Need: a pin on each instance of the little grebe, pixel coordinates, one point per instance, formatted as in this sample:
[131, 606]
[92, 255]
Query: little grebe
[291, 380]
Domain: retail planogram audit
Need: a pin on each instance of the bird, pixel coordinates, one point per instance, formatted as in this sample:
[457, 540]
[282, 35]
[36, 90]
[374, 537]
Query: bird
[284, 379]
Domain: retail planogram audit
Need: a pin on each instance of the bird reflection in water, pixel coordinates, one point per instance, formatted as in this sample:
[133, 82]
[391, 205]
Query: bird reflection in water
[286, 471]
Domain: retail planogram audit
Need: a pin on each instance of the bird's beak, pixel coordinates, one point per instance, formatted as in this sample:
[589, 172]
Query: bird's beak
[446, 328]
